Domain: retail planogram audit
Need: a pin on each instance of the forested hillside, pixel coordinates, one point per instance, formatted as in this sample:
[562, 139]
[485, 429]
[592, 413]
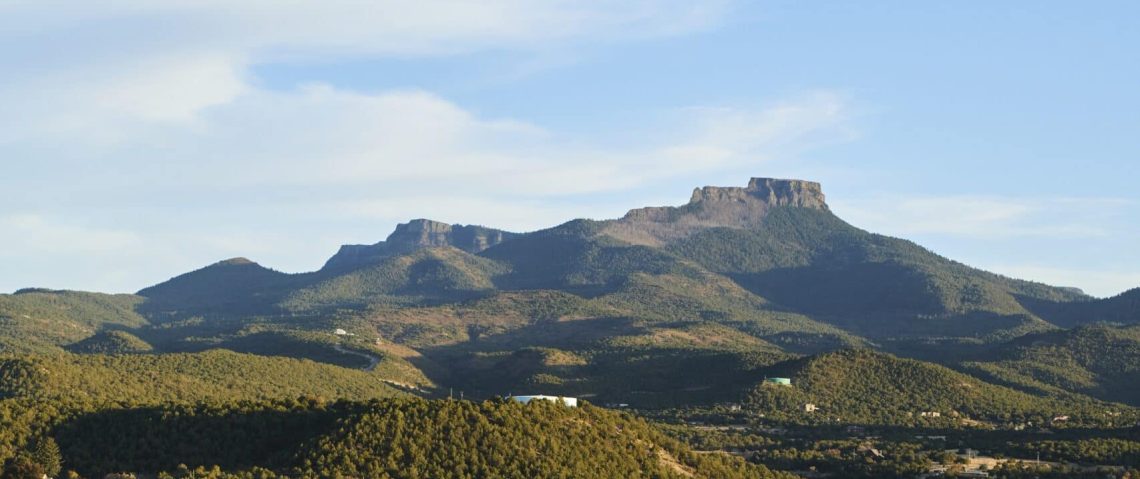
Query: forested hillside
[155, 378]
[866, 387]
[384, 438]
[1123, 308]
[1100, 361]
[35, 320]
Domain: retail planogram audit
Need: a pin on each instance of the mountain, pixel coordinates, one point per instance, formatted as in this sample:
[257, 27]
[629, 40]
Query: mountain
[675, 311]
[733, 281]
[234, 286]
[37, 320]
[1123, 308]
[414, 235]
[776, 239]
[1099, 360]
[712, 207]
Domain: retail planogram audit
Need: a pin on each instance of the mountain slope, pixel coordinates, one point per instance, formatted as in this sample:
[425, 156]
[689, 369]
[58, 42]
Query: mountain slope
[807, 259]
[1100, 361]
[775, 238]
[507, 439]
[1123, 308]
[434, 273]
[235, 286]
[736, 279]
[392, 438]
[111, 342]
[414, 235]
[154, 378]
[862, 386]
[37, 320]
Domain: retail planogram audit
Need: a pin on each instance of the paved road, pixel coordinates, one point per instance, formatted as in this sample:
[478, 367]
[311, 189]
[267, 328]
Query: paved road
[372, 360]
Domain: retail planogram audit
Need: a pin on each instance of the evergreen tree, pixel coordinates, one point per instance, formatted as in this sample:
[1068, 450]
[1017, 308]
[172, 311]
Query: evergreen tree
[46, 453]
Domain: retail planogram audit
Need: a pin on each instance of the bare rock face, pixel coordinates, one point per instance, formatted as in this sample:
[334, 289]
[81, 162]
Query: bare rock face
[711, 206]
[769, 191]
[427, 234]
[419, 234]
[714, 206]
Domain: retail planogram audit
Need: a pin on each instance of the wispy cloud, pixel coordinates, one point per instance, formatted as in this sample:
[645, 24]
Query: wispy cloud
[100, 72]
[27, 232]
[984, 217]
[174, 136]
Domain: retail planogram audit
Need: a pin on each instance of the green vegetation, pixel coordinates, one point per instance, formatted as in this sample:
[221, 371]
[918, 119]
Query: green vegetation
[507, 439]
[404, 438]
[865, 387]
[155, 378]
[436, 274]
[888, 452]
[235, 286]
[1123, 308]
[811, 261]
[37, 320]
[1100, 361]
[111, 342]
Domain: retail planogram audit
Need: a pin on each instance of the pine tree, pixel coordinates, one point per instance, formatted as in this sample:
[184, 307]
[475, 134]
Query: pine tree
[46, 454]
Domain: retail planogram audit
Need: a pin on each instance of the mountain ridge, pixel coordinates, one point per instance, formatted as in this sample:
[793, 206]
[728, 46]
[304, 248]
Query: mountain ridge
[418, 234]
[728, 282]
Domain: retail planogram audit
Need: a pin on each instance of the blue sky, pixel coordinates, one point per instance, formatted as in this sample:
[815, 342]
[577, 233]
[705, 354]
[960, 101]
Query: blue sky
[141, 139]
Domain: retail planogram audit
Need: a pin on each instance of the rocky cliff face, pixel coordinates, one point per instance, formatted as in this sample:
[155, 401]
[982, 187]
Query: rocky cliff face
[422, 233]
[766, 191]
[710, 206]
[418, 234]
[714, 206]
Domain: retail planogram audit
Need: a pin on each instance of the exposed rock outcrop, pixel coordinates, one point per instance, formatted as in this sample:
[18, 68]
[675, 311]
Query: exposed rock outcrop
[418, 234]
[714, 206]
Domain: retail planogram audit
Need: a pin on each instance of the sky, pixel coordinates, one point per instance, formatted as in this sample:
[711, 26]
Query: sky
[142, 139]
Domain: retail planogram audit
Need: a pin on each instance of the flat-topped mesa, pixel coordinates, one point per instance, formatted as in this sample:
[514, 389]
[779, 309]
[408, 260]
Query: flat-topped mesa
[716, 206]
[424, 233]
[771, 191]
[418, 234]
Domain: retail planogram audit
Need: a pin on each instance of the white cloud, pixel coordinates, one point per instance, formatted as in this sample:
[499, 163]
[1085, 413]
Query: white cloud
[93, 72]
[25, 233]
[406, 141]
[146, 115]
[359, 158]
[982, 217]
[171, 89]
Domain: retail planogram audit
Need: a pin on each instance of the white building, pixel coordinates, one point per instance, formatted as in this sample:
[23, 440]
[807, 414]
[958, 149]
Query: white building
[572, 402]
